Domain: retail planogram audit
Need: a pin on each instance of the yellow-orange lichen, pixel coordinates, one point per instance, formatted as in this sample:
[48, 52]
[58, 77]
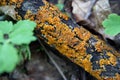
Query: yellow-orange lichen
[86, 63]
[112, 58]
[28, 15]
[100, 45]
[3, 2]
[118, 77]
[82, 33]
[11, 2]
[103, 62]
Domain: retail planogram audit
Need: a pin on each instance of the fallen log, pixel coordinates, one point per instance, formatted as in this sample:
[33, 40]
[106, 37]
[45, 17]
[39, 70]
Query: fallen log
[71, 40]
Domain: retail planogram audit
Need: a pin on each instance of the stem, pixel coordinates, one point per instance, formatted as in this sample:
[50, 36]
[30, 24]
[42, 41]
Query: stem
[53, 61]
[29, 52]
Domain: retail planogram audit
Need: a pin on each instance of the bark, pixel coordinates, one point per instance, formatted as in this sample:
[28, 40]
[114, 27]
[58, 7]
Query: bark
[71, 40]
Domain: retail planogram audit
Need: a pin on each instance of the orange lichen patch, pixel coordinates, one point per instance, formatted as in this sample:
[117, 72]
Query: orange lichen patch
[18, 17]
[11, 2]
[82, 33]
[81, 48]
[100, 46]
[86, 63]
[96, 74]
[103, 62]
[29, 15]
[112, 58]
[48, 27]
[3, 2]
[110, 61]
[117, 77]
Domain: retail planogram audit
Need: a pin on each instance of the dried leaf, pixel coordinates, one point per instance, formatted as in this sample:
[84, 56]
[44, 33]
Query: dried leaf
[80, 9]
[8, 10]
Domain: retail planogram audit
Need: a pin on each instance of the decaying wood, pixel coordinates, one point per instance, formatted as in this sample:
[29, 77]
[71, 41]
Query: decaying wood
[71, 40]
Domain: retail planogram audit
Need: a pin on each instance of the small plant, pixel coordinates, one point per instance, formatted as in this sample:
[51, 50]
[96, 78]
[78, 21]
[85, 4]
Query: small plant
[60, 5]
[12, 39]
[112, 25]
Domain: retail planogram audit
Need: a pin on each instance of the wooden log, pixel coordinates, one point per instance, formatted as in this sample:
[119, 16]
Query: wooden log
[71, 40]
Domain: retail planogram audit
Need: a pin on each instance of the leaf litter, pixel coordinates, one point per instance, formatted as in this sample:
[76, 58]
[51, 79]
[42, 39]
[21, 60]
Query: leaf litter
[38, 67]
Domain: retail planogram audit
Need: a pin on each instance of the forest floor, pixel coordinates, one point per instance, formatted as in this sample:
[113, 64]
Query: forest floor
[42, 66]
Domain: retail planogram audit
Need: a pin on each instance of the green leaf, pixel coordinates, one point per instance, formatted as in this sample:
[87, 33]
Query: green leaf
[6, 26]
[1, 37]
[112, 24]
[23, 32]
[30, 25]
[8, 58]
[60, 6]
[18, 34]
[21, 36]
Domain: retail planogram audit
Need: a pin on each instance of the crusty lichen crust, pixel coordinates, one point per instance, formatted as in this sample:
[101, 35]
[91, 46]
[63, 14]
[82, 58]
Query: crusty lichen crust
[11, 2]
[78, 44]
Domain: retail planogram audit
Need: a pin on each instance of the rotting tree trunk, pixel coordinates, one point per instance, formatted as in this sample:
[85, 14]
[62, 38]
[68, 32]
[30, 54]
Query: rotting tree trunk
[71, 40]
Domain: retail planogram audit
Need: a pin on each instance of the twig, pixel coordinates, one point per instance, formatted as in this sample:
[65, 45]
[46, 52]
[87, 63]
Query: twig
[93, 2]
[53, 61]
